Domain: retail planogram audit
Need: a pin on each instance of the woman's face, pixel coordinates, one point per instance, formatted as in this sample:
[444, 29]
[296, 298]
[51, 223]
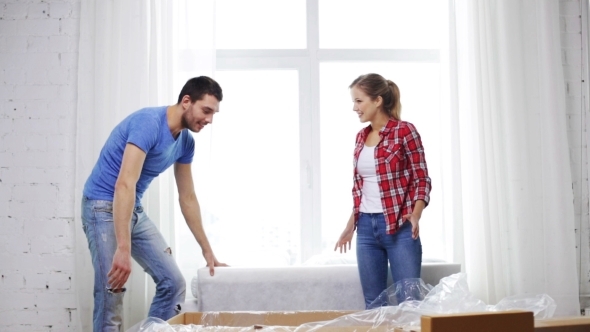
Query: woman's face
[366, 108]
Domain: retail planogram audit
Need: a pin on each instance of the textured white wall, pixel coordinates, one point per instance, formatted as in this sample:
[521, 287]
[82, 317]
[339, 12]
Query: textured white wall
[38, 69]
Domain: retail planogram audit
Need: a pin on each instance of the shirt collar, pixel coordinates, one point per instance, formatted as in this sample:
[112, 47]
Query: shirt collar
[385, 130]
[392, 123]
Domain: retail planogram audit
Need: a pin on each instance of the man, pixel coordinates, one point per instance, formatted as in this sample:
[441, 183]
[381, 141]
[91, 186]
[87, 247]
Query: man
[138, 149]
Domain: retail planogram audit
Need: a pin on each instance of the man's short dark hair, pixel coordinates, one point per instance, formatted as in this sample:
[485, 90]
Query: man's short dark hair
[197, 87]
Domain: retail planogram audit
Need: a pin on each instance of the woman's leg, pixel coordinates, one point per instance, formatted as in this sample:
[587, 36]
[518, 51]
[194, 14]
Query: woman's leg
[405, 257]
[371, 258]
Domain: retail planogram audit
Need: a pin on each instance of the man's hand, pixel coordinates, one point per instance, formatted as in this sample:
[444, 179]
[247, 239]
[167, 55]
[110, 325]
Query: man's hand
[120, 270]
[212, 262]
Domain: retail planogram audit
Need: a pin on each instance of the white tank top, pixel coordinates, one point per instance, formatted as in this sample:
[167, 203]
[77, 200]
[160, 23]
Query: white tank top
[371, 197]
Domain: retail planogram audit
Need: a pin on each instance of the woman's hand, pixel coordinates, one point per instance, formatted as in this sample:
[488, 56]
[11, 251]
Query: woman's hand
[414, 220]
[345, 238]
[415, 216]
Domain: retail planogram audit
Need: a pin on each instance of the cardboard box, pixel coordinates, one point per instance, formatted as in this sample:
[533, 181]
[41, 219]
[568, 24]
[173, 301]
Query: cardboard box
[249, 318]
[287, 321]
[510, 321]
[506, 321]
[563, 324]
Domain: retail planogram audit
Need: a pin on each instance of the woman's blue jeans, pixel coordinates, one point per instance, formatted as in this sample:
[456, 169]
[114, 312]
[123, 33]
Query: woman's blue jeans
[374, 248]
[148, 248]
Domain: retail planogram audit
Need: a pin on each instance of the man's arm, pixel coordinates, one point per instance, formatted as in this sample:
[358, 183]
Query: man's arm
[189, 205]
[124, 200]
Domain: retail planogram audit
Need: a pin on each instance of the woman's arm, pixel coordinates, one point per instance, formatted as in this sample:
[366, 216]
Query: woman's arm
[417, 165]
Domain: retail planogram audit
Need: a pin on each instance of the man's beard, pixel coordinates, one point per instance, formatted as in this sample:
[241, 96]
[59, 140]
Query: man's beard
[184, 122]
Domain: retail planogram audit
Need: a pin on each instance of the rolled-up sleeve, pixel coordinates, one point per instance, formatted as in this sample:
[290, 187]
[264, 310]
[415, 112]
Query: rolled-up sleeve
[417, 165]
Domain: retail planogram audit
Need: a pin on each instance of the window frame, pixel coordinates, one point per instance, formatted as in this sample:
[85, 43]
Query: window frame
[307, 63]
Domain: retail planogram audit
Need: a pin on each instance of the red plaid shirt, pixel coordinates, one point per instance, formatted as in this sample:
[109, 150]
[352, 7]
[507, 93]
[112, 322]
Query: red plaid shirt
[401, 171]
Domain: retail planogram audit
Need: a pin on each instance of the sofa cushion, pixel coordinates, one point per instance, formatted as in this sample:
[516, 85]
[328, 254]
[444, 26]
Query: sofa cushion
[324, 287]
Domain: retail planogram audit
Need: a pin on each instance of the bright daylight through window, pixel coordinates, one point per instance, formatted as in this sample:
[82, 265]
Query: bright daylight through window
[278, 176]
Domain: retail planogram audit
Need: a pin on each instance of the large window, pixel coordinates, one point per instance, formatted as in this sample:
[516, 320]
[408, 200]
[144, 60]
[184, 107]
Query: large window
[380, 24]
[274, 175]
[260, 24]
[254, 201]
[419, 89]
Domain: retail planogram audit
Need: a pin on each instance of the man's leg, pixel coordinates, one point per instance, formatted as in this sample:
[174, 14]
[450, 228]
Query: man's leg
[155, 256]
[97, 221]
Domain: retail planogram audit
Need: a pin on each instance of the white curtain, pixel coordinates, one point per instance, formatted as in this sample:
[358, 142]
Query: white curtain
[124, 64]
[195, 55]
[510, 179]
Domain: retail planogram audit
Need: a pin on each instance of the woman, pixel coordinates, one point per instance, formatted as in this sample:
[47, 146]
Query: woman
[391, 188]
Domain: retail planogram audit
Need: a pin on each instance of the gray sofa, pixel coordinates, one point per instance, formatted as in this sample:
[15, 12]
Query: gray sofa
[316, 287]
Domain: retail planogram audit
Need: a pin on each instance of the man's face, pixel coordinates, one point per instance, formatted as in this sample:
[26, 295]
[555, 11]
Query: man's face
[200, 113]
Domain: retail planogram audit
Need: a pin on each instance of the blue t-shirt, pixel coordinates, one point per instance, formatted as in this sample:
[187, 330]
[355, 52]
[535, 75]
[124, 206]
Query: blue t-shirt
[148, 130]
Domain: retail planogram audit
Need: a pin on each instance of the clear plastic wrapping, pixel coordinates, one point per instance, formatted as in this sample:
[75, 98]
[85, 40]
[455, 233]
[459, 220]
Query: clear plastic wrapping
[542, 305]
[400, 306]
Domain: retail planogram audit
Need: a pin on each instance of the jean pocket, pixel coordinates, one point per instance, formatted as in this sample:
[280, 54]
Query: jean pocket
[404, 233]
[103, 216]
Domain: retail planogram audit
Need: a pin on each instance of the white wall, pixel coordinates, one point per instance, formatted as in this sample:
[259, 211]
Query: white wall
[38, 69]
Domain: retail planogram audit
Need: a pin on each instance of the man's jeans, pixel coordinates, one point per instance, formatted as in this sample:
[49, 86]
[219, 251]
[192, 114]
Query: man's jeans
[148, 248]
[375, 248]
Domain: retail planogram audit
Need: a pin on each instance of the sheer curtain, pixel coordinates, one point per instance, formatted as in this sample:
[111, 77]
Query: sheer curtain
[195, 55]
[508, 168]
[124, 64]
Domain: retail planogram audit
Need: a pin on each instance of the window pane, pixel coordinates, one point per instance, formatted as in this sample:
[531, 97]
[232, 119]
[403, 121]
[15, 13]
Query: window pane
[248, 185]
[419, 89]
[370, 24]
[260, 24]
